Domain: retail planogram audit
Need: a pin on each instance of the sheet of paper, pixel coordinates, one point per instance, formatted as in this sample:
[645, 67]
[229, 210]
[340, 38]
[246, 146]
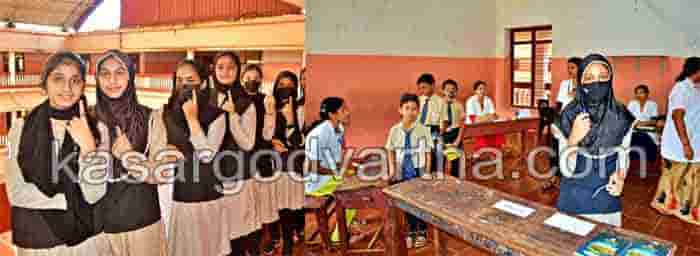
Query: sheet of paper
[514, 208]
[570, 224]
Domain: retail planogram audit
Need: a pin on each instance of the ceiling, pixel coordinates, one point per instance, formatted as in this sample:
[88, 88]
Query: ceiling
[63, 13]
[298, 3]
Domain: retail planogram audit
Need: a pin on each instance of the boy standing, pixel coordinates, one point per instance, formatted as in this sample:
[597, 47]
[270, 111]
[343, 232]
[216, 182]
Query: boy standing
[410, 144]
[431, 115]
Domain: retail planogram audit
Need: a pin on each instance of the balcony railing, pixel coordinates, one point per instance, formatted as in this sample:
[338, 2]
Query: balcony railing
[20, 80]
[151, 81]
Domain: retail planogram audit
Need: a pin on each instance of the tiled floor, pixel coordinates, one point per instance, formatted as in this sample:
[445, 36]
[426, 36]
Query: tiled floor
[638, 216]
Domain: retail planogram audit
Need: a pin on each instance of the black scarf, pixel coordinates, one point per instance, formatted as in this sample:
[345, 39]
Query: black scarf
[610, 120]
[36, 151]
[178, 134]
[124, 112]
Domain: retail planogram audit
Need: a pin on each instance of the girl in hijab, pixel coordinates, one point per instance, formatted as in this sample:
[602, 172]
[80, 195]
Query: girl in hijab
[130, 211]
[594, 133]
[249, 102]
[192, 128]
[53, 211]
[245, 129]
[227, 72]
[289, 142]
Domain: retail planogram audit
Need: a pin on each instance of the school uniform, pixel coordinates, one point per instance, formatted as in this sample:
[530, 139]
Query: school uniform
[678, 192]
[603, 152]
[453, 112]
[410, 147]
[648, 141]
[563, 96]
[130, 213]
[431, 114]
[475, 109]
[582, 188]
[240, 206]
[56, 219]
[196, 225]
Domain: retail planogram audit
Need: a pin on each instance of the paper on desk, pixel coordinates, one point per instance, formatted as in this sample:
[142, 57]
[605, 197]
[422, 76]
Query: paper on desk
[514, 208]
[570, 224]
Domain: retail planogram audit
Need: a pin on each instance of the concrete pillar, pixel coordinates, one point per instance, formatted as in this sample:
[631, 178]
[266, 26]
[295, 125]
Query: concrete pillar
[190, 54]
[142, 63]
[11, 61]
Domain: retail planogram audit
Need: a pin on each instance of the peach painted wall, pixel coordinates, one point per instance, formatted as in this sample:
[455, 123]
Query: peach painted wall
[372, 86]
[658, 73]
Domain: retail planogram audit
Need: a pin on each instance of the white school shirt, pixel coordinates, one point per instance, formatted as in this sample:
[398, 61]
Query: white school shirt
[421, 143]
[684, 95]
[323, 144]
[474, 108]
[435, 106]
[650, 111]
[563, 95]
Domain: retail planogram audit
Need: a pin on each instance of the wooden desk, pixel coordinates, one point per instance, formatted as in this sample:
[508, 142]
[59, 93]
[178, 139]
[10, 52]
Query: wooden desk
[521, 126]
[354, 193]
[463, 209]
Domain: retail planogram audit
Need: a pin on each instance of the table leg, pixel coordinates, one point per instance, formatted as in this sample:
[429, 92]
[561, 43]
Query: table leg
[342, 228]
[441, 247]
[322, 219]
[395, 232]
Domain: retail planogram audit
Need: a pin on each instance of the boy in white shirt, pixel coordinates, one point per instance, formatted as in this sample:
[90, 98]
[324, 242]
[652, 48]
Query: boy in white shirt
[409, 145]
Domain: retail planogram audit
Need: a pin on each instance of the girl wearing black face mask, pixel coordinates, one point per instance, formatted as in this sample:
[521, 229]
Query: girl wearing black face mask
[191, 128]
[288, 141]
[258, 120]
[594, 134]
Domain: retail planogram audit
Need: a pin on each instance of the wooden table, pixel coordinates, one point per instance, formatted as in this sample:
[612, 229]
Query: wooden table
[463, 209]
[354, 193]
[522, 126]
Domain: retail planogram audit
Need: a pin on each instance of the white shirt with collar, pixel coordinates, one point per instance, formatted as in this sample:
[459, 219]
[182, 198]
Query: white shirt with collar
[563, 96]
[473, 108]
[649, 111]
[684, 95]
[324, 144]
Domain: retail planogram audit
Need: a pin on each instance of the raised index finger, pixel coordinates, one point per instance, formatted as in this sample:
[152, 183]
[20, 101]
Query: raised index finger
[194, 95]
[82, 108]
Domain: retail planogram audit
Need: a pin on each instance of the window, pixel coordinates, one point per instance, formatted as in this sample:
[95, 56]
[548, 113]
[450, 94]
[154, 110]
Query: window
[19, 62]
[530, 55]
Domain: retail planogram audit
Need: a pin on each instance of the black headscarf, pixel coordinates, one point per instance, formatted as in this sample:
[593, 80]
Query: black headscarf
[610, 120]
[34, 156]
[207, 113]
[218, 85]
[36, 151]
[124, 112]
[282, 94]
[178, 134]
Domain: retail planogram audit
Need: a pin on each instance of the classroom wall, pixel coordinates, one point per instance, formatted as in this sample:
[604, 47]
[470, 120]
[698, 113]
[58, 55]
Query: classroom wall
[616, 28]
[373, 88]
[372, 51]
[447, 28]
[369, 52]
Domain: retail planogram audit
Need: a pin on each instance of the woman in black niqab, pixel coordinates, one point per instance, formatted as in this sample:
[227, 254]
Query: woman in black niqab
[594, 132]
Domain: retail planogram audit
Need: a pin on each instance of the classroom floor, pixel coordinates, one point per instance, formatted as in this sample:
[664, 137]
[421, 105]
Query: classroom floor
[638, 216]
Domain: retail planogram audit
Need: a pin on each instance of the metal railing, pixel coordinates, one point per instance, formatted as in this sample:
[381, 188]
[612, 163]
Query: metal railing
[20, 79]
